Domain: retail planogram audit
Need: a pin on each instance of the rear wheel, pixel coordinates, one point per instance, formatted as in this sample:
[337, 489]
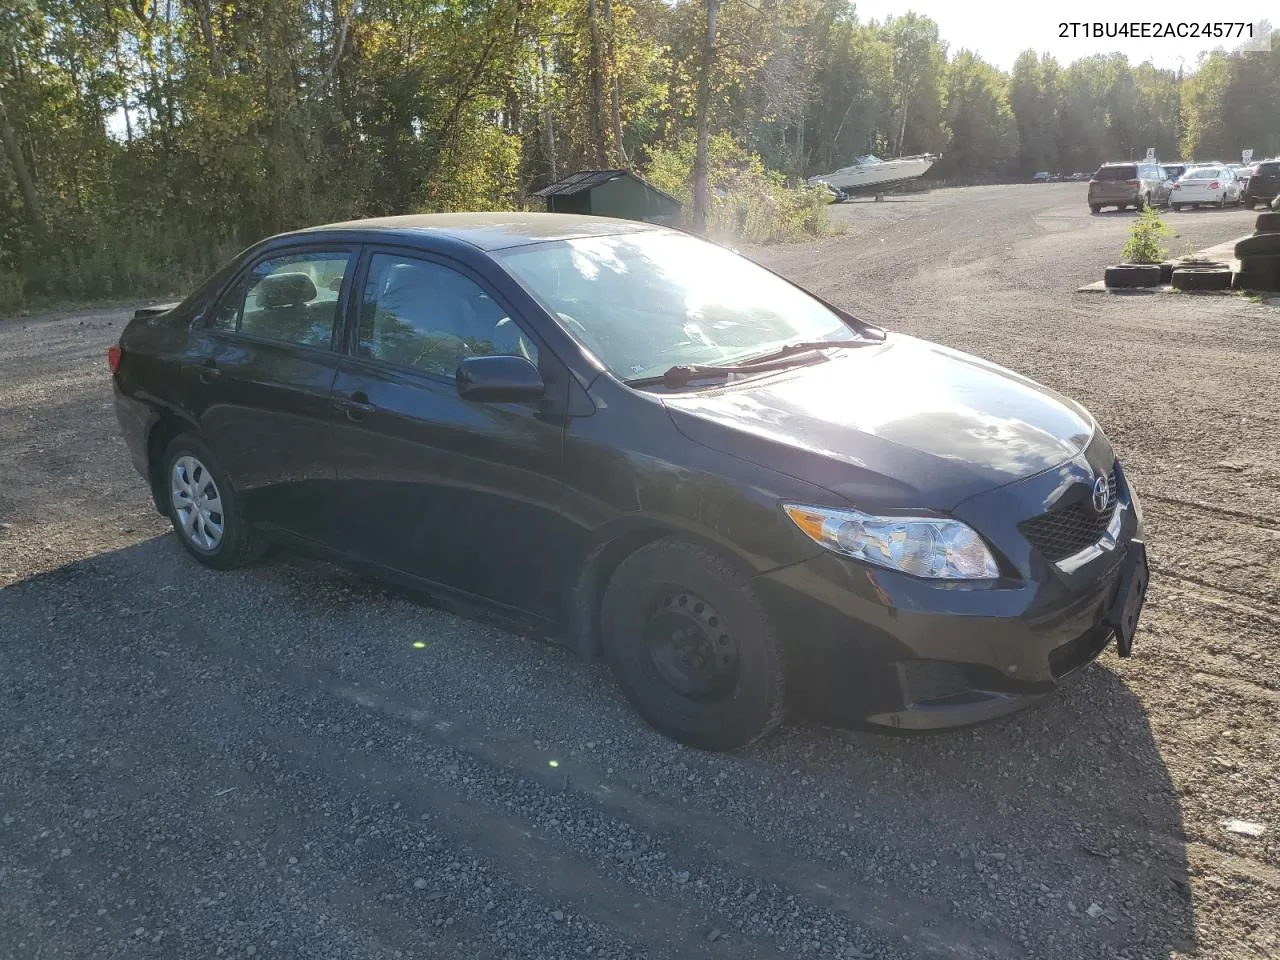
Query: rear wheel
[692, 646]
[1095, 207]
[202, 506]
[1175, 207]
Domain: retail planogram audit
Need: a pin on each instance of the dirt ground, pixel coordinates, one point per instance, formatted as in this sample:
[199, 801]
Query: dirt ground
[262, 764]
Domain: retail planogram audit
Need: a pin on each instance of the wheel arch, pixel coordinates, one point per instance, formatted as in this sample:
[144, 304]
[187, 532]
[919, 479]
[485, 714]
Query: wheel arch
[161, 434]
[603, 559]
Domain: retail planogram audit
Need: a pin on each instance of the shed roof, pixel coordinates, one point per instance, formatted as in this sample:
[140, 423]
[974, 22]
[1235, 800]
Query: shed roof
[588, 179]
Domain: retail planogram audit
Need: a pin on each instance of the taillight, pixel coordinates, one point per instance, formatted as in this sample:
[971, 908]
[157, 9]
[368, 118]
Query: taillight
[1213, 185]
[114, 353]
[1177, 186]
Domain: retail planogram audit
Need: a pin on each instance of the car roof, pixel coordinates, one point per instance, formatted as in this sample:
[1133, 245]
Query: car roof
[487, 231]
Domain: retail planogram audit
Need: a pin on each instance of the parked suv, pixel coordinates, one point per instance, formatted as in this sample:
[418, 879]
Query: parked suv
[1124, 185]
[1263, 185]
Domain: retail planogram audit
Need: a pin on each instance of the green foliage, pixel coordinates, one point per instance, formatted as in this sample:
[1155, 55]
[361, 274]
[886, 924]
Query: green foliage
[1143, 245]
[749, 203]
[140, 150]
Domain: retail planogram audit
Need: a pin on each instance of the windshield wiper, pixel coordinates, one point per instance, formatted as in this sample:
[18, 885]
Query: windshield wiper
[683, 374]
[802, 346]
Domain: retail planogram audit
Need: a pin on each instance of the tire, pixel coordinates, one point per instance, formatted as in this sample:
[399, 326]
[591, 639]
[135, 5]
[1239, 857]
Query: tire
[1142, 204]
[1267, 223]
[1260, 244]
[1202, 278]
[1261, 282]
[1130, 275]
[1264, 263]
[1095, 208]
[1250, 203]
[1175, 207]
[189, 465]
[671, 601]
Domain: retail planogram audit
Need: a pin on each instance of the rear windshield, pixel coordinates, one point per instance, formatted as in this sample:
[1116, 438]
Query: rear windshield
[1124, 172]
[1267, 169]
[1203, 173]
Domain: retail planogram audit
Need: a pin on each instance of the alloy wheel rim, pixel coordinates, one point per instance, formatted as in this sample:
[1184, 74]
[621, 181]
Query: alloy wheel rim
[691, 646]
[197, 503]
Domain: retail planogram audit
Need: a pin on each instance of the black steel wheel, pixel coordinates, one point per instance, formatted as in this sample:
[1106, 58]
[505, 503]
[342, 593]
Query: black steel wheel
[692, 646]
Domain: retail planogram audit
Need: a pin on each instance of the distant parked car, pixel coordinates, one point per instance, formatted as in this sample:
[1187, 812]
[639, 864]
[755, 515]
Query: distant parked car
[1041, 177]
[1215, 185]
[1124, 185]
[1264, 183]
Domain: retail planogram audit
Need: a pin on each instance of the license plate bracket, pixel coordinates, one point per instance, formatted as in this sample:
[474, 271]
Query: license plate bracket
[1131, 594]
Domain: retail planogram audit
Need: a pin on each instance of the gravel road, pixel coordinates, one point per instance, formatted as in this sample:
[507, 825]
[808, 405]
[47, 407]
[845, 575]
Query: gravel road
[262, 764]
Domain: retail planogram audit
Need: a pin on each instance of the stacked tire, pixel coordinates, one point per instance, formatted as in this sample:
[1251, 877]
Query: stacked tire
[1259, 256]
[1132, 276]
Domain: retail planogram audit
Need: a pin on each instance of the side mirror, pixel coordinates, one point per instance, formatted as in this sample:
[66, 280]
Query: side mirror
[499, 380]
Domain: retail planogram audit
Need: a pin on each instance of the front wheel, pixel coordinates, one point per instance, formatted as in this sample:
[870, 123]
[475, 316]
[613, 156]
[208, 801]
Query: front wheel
[692, 646]
[202, 506]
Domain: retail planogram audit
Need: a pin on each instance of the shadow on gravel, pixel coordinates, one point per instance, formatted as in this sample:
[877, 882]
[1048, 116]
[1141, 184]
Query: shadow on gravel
[1074, 793]
[1056, 833]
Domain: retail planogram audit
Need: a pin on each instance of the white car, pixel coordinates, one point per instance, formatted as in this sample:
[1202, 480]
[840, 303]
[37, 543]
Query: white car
[1215, 184]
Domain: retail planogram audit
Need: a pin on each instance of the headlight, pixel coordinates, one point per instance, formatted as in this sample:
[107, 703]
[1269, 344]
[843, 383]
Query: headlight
[921, 546]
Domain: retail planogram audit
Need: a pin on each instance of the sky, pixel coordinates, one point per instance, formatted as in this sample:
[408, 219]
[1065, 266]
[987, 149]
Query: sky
[998, 31]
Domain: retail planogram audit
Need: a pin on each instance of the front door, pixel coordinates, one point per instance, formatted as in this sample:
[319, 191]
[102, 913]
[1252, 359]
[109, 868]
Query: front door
[460, 493]
[258, 377]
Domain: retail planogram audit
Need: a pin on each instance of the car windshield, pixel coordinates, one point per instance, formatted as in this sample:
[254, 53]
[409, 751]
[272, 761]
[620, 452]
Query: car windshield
[1203, 173]
[1116, 173]
[645, 302]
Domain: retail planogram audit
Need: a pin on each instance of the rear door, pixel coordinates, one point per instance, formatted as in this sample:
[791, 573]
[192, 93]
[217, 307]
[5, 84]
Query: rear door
[460, 493]
[1115, 185]
[258, 377]
[1265, 182]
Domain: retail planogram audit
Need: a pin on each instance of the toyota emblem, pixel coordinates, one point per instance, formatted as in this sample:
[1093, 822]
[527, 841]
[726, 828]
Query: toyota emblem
[1101, 495]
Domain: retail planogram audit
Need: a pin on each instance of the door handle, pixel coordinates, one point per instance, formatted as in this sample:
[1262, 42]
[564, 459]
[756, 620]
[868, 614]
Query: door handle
[356, 406]
[207, 370]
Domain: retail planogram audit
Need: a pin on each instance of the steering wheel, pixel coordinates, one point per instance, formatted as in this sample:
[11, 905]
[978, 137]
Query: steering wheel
[505, 326]
[570, 321]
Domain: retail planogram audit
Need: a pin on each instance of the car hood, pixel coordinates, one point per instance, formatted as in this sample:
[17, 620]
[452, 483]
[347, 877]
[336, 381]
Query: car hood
[905, 423]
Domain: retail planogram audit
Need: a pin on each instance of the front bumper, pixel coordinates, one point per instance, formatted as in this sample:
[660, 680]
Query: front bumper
[878, 647]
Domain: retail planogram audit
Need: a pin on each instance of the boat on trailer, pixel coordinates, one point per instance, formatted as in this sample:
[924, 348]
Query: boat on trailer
[871, 175]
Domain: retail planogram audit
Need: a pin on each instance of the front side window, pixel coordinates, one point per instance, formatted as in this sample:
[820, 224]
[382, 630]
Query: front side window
[291, 298]
[644, 302]
[417, 313]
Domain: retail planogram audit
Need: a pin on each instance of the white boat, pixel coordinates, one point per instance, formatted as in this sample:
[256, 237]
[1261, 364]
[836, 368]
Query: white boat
[872, 175]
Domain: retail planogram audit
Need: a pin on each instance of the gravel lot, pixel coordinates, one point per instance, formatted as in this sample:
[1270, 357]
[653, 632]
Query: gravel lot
[260, 763]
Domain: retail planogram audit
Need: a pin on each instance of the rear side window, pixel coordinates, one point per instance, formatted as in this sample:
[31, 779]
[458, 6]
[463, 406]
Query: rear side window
[291, 298]
[422, 314]
[1127, 172]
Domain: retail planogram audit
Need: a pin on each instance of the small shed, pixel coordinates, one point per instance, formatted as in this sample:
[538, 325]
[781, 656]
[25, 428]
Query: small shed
[611, 193]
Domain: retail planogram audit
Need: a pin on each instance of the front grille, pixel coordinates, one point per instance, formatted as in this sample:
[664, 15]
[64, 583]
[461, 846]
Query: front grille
[1067, 530]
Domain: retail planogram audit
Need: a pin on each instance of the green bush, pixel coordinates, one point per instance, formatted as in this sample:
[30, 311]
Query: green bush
[748, 203]
[1145, 235]
[11, 297]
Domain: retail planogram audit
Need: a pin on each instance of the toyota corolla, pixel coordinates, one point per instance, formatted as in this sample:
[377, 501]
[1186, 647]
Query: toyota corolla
[652, 448]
